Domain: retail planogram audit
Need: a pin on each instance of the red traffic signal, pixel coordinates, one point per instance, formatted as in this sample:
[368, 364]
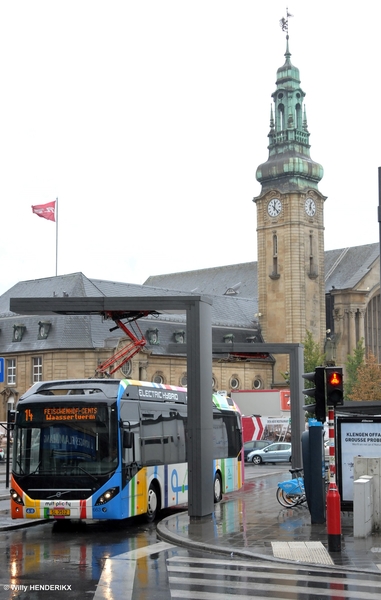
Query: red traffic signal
[334, 386]
[335, 378]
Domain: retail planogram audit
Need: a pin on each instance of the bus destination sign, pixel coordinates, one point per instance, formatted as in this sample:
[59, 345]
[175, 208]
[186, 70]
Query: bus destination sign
[59, 413]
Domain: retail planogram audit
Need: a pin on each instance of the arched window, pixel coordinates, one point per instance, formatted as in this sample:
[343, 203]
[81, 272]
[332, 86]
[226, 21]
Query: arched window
[281, 123]
[126, 368]
[158, 377]
[257, 383]
[298, 116]
[234, 382]
[275, 256]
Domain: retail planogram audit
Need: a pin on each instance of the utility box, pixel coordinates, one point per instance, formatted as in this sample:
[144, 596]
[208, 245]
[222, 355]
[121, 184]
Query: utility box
[371, 467]
[363, 507]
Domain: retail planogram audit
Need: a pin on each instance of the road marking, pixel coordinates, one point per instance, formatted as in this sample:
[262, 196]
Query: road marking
[212, 579]
[144, 551]
[118, 574]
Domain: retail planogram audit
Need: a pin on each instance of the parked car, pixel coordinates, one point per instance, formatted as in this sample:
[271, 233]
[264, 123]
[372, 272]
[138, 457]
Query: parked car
[254, 445]
[2, 454]
[277, 452]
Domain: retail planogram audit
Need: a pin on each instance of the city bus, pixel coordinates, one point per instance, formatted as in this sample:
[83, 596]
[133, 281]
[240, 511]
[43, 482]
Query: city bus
[112, 449]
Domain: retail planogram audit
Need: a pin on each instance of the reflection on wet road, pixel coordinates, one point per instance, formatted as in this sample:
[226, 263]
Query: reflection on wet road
[65, 555]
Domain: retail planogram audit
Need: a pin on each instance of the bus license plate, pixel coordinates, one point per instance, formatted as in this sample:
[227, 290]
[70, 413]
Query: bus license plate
[59, 512]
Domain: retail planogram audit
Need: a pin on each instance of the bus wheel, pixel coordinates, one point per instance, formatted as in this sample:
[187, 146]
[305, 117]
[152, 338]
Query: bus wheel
[153, 504]
[217, 488]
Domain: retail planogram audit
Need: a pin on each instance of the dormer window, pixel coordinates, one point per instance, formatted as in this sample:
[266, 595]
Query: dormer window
[233, 290]
[43, 329]
[229, 338]
[18, 332]
[179, 336]
[153, 336]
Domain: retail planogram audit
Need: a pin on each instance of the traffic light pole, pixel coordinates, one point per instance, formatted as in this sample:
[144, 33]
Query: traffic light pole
[333, 497]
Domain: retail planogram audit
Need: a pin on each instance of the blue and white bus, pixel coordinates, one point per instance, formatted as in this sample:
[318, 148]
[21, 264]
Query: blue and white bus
[112, 449]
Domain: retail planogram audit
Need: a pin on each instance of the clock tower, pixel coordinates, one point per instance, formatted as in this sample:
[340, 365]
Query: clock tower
[290, 230]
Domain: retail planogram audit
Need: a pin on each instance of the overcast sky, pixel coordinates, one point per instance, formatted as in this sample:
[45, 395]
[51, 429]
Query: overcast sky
[147, 119]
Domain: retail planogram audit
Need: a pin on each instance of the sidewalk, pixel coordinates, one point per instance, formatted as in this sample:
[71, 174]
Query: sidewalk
[251, 523]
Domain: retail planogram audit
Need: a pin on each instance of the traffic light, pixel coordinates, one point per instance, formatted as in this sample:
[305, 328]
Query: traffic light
[317, 392]
[334, 386]
[11, 417]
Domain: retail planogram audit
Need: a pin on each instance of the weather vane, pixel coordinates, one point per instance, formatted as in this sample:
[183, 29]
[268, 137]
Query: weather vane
[284, 21]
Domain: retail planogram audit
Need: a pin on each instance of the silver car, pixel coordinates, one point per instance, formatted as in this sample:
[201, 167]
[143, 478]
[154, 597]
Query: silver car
[277, 452]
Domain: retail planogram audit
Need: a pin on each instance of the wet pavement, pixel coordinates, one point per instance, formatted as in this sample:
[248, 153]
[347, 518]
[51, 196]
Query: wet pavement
[251, 523]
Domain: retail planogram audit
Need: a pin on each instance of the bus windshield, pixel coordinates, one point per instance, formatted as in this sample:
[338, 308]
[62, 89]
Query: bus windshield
[65, 438]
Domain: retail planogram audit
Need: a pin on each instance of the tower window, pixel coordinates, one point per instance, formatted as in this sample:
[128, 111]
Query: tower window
[298, 116]
[275, 245]
[274, 273]
[312, 270]
[280, 113]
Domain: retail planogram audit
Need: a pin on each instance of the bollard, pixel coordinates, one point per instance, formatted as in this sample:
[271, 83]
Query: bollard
[333, 518]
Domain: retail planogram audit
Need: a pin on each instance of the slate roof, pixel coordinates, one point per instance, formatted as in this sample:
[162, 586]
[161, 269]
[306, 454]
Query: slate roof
[344, 269]
[237, 280]
[233, 289]
[229, 314]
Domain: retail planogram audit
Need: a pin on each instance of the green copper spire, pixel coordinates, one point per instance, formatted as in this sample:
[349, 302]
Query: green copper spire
[289, 166]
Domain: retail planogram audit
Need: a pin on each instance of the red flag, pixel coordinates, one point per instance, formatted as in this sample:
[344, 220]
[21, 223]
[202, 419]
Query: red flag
[46, 211]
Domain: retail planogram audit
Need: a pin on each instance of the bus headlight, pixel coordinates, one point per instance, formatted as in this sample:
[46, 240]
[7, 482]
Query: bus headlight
[107, 496]
[16, 497]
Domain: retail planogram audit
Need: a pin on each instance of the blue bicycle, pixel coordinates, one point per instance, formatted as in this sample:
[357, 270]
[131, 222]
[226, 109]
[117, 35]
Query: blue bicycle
[291, 492]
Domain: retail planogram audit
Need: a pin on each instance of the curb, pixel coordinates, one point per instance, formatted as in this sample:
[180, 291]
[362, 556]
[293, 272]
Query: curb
[185, 542]
[22, 524]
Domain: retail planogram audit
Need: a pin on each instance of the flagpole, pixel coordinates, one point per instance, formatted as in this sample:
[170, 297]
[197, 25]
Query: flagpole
[56, 236]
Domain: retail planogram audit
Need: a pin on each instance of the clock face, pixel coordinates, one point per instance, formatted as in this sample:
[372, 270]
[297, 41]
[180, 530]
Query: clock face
[274, 207]
[310, 207]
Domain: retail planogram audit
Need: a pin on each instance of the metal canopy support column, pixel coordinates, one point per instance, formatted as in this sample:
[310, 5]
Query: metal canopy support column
[297, 413]
[200, 410]
[296, 355]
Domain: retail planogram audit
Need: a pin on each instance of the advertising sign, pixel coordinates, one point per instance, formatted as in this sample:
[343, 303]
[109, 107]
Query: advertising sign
[356, 436]
[1, 370]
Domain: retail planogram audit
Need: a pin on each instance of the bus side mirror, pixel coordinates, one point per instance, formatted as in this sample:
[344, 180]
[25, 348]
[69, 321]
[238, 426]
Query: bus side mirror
[128, 439]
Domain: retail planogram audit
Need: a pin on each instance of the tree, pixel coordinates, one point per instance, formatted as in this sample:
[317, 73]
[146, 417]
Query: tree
[368, 384]
[313, 357]
[351, 368]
